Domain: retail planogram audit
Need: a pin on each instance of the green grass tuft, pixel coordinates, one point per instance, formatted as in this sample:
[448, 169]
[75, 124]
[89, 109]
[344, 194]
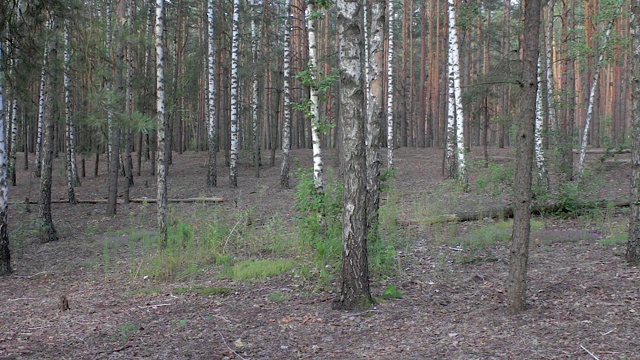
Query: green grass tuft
[259, 269]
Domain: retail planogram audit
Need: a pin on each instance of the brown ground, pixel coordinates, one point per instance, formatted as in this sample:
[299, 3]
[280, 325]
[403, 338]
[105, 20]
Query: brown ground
[584, 301]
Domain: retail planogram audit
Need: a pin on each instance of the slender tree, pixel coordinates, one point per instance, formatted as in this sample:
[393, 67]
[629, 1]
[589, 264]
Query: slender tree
[354, 290]
[318, 166]
[543, 178]
[13, 131]
[551, 104]
[286, 103]
[47, 229]
[71, 171]
[5, 252]
[519, 254]
[212, 170]
[455, 159]
[592, 93]
[633, 244]
[235, 48]
[42, 101]
[375, 110]
[390, 88]
[162, 123]
[254, 89]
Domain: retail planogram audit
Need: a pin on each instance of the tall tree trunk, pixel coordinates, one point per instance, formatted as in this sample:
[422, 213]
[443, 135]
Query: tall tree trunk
[48, 231]
[390, 88]
[354, 290]
[72, 172]
[5, 251]
[543, 178]
[592, 94]
[375, 113]
[13, 140]
[318, 166]
[286, 91]
[519, 255]
[109, 87]
[633, 245]
[212, 169]
[254, 93]
[551, 104]
[235, 44]
[162, 123]
[42, 100]
[455, 124]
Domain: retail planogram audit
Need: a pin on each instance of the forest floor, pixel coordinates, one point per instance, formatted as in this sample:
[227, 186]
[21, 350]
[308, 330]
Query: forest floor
[127, 301]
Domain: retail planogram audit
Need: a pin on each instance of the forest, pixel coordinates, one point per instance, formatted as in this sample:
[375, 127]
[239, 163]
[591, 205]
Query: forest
[250, 179]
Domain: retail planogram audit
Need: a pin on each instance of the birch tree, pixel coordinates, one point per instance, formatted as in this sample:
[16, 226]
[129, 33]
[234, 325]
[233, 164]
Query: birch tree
[592, 92]
[162, 123]
[354, 290]
[390, 54]
[13, 131]
[313, 97]
[42, 99]
[5, 252]
[375, 98]
[632, 254]
[286, 102]
[455, 158]
[519, 255]
[235, 44]
[72, 172]
[212, 176]
[543, 178]
[254, 90]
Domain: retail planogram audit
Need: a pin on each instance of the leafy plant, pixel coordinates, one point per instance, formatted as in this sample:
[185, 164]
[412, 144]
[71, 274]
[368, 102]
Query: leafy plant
[392, 292]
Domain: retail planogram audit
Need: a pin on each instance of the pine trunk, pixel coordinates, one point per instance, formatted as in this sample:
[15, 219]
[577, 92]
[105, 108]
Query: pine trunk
[633, 245]
[519, 255]
[254, 93]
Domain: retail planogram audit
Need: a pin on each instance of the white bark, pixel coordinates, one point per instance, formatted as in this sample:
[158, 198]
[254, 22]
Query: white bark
[553, 118]
[456, 117]
[235, 42]
[592, 94]
[318, 167]
[41, 103]
[211, 96]
[14, 139]
[538, 137]
[162, 123]
[390, 123]
[71, 172]
[286, 103]
[5, 255]
[254, 93]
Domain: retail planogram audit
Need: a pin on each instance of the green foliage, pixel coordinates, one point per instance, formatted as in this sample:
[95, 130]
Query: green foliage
[391, 292]
[203, 290]
[491, 234]
[494, 179]
[127, 331]
[259, 269]
[278, 296]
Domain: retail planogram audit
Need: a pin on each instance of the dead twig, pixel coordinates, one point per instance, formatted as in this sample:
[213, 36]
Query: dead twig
[228, 347]
[589, 352]
[153, 306]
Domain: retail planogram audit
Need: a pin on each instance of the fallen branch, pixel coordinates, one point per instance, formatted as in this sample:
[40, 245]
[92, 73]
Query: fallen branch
[589, 352]
[136, 200]
[507, 212]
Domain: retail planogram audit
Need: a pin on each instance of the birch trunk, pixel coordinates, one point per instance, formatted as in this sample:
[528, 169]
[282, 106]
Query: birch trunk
[42, 99]
[162, 123]
[543, 178]
[5, 252]
[375, 97]
[354, 290]
[390, 123]
[128, 107]
[13, 141]
[551, 104]
[69, 116]
[212, 170]
[235, 43]
[455, 121]
[592, 95]
[286, 92]
[254, 92]
[632, 254]
[318, 166]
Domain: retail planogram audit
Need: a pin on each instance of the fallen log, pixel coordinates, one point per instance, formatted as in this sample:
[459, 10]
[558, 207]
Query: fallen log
[604, 151]
[507, 212]
[136, 200]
